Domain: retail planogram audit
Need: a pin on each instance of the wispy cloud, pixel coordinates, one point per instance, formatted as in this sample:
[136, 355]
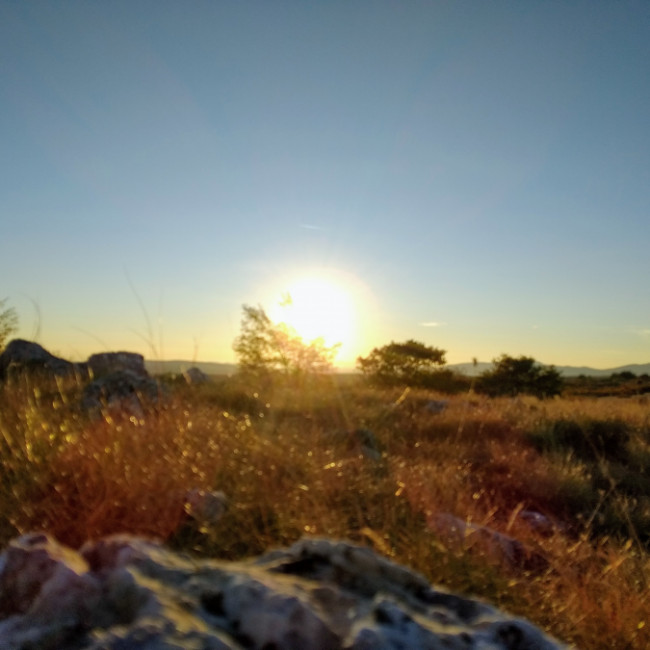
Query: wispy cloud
[432, 323]
[643, 331]
[310, 226]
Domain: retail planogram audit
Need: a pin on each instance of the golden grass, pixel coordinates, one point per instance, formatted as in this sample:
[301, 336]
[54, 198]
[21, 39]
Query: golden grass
[290, 467]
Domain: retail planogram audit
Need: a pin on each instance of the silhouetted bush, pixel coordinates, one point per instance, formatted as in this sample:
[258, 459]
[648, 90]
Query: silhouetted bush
[410, 363]
[512, 376]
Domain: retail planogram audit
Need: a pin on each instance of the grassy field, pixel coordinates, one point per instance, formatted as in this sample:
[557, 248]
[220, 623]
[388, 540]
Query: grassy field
[290, 465]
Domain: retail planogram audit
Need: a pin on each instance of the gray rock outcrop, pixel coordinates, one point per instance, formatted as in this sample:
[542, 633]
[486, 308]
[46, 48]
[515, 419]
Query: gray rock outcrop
[120, 390]
[118, 381]
[195, 376]
[26, 356]
[457, 532]
[108, 362]
[123, 592]
[121, 383]
[437, 406]
[204, 506]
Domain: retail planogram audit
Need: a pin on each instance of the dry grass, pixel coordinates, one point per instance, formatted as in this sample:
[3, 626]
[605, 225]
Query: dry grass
[290, 467]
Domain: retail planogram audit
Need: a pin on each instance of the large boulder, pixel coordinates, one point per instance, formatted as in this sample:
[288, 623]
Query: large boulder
[26, 356]
[121, 383]
[121, 390]
[108, 362]
[117, 381]
[123, 592]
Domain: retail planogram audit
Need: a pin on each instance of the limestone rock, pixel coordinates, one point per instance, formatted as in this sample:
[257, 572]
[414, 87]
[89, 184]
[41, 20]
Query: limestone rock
[27, 356]
[108, 362]
[457, 532]
[195, 376]
[205, 506]
[539, 522]
[361, 440]
[119, 380]
[437, 406]
[123, 390]
[123, 592]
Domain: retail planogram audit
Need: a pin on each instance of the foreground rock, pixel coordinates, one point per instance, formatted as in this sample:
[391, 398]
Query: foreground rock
[122, 592]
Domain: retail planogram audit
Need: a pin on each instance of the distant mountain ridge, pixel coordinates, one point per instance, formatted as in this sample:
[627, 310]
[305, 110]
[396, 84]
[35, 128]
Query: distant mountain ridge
[177, 366]
[636, 368]
[567, 371]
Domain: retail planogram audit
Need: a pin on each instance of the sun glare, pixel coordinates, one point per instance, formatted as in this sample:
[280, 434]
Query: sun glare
[317, 307]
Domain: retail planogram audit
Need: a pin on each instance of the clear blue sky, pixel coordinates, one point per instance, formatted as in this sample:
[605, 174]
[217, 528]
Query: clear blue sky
[477, 174]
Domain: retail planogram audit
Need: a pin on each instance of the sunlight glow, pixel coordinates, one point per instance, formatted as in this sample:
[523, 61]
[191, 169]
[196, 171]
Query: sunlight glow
[317, 307]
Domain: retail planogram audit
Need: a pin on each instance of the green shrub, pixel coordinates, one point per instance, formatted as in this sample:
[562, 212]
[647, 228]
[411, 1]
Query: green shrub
[411, 363]
[523, 375]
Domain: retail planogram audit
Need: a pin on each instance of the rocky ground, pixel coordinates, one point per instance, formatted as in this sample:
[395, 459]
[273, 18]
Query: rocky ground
[127, 593]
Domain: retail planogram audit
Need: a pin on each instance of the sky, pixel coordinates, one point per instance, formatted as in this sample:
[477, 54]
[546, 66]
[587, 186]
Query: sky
[472, 175]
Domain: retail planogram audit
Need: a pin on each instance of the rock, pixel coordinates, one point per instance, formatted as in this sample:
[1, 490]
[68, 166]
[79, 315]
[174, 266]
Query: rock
[25, 356]
[437, 406]
[456, 531]
[361, 440]
[205, 506]
[539, 523]
[195, 376]
[122, 592]
[120, 381]
[122, 390]
[110, 362]
[370, 447]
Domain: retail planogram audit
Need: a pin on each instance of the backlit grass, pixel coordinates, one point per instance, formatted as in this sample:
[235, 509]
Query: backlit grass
[290, 466]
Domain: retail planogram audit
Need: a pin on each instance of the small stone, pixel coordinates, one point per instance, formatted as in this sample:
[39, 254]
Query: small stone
[195, 376]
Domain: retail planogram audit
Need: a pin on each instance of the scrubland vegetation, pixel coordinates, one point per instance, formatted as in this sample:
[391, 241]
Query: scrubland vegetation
[288, 459]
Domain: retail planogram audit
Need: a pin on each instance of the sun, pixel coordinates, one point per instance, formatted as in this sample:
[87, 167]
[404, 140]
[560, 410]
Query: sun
[317, 307]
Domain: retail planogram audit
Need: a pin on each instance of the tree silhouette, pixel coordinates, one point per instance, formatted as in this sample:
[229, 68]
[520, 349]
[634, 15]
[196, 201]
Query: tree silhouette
[512, 376]
[410, 363]
[265, 348]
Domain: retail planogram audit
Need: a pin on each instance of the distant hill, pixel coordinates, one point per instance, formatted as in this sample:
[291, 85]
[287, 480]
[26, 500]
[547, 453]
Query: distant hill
[636, 368]
[469, 369]
[177, 366]
[567, 371]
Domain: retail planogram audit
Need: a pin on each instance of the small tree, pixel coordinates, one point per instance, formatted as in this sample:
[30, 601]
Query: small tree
[410, 363]
[254, 347]
[265, 348]
[8, 323]
[512, 376]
